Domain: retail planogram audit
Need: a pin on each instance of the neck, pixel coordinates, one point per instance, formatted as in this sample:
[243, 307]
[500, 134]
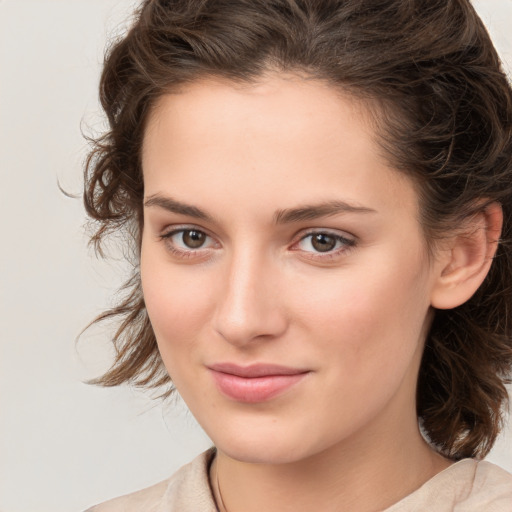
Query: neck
[355, 476]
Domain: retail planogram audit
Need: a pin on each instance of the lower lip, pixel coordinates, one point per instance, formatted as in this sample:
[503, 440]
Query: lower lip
[255, 389]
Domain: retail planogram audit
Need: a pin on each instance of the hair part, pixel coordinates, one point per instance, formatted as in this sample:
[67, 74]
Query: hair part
[444, 115]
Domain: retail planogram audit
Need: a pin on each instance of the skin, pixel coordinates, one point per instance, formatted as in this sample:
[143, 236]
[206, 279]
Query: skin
[355, 317]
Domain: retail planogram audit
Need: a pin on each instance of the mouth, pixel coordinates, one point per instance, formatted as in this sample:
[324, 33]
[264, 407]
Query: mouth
[255, 383]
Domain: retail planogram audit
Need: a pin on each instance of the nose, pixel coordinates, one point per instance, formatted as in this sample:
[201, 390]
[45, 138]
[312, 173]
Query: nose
[250, 307]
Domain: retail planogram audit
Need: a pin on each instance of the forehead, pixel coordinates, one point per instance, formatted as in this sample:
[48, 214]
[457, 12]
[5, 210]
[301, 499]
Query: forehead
[298, 134]
[275, 101]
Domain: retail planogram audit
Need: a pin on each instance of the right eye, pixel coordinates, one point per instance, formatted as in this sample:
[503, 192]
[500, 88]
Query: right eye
[186, 241]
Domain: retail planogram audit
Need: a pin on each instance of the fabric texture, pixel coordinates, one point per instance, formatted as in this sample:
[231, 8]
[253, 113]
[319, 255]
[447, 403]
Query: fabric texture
[466, 486]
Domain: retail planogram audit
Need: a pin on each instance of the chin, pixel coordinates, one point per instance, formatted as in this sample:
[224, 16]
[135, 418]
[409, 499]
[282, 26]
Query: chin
[258, 453]
[271, 447]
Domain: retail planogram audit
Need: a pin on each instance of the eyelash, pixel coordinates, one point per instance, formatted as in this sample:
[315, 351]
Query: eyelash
[347, 244]
[184, 253]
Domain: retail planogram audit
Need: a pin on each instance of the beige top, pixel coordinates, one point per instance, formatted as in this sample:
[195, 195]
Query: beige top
[466, 486]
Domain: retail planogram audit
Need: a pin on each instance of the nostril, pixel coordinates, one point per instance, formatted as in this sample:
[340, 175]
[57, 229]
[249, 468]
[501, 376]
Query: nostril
[239, 324]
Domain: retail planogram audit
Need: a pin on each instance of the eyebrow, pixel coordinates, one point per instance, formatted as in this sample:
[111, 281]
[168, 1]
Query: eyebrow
[286, 216]
[317, 211]
[173, 206]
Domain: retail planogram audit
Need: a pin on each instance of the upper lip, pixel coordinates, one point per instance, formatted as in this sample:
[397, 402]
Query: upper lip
[255, 370]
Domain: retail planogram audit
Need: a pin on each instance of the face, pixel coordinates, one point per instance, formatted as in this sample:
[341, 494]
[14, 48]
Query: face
[283, 267]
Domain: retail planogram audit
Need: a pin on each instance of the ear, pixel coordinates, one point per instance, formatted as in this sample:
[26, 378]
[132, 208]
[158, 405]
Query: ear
[462, 266]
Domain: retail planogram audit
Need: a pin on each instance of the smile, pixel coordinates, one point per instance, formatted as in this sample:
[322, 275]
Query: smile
[255, 383]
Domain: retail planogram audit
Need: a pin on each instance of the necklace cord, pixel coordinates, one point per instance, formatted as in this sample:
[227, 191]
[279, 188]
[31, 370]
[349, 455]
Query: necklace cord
[218, 495]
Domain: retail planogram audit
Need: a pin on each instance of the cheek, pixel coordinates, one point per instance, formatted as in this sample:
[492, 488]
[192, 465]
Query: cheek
[176, 305]
[366, 333]
[370, 318]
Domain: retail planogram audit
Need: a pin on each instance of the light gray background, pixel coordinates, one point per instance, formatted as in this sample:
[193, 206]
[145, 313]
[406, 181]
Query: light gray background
[65, 445]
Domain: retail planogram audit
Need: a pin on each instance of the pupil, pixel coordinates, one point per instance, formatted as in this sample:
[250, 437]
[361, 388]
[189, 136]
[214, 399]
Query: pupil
[193, 239]
[323, 243]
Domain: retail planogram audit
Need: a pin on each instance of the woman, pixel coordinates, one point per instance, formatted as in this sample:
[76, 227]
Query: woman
[318, 194]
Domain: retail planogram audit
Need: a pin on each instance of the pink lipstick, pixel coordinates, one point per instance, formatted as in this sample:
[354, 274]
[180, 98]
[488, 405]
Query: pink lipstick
[254, 383]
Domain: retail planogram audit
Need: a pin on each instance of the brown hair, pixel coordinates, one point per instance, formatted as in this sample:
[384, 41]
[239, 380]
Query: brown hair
[445, 119]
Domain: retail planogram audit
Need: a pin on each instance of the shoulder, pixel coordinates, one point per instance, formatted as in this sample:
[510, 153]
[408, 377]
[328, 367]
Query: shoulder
[466, 486]
[492, 487]
[145, 499]
[188, 489]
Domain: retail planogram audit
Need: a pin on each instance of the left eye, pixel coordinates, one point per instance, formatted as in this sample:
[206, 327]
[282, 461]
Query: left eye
[323, 242]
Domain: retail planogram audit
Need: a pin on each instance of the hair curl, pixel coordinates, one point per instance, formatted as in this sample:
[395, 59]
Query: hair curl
[445, 119]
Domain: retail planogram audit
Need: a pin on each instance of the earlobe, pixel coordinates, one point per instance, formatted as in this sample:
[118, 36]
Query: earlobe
[463, 266]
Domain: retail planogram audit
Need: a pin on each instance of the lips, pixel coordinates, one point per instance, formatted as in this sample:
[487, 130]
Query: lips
[254, 383]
